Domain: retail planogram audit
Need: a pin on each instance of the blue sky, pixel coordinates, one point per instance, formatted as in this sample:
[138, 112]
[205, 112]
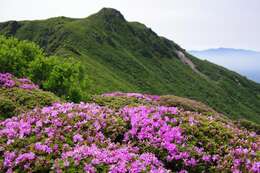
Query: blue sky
[194, 24]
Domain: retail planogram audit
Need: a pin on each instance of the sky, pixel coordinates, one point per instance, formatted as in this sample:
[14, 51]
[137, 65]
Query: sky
[194, 24]
[244, 62]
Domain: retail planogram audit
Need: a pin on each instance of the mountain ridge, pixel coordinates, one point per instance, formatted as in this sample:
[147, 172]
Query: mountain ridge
[127, 56]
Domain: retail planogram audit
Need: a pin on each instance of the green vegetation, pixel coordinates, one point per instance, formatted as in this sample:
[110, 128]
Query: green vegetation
[186, 104]
[117, 102]
[64, 77]
[117, 55]
[249, 125]
[14, 101]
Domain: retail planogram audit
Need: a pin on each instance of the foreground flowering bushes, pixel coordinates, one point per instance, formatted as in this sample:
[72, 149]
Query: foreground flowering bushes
[7, 80]
[71, 137]
[148, 137]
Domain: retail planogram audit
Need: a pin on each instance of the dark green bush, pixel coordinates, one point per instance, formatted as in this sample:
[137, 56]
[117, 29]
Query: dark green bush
[7, 108]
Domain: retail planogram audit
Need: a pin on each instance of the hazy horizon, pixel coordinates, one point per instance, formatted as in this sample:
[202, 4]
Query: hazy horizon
[217, 48]
[244, 62]
[195, 25]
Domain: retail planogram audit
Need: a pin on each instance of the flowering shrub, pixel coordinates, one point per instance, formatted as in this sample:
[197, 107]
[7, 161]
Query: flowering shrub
[146, 97]
[142, 138]
[75, 136]
[20, 95]
[8, 81]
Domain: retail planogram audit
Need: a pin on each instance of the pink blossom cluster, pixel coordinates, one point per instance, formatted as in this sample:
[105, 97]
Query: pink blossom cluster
[73, 135]
[7, 80]
[152, 126]
[25, 83]
[119, 158]
[146, 97]
[92, 138]
[241, 159]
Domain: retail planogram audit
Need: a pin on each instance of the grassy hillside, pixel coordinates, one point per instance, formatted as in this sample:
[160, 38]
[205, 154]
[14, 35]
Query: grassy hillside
[128, 56]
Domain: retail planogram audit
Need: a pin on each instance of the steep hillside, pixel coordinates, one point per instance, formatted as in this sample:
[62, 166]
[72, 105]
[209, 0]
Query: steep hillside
[128, 56]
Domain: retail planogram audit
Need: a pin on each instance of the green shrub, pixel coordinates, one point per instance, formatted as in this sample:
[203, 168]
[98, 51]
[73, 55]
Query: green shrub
[7, 108]
[63, 76]
[16, 100]
[16, 55]
[249, 125]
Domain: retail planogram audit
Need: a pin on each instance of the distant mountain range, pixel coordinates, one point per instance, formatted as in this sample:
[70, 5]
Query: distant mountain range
[245, 62]
[118, 55]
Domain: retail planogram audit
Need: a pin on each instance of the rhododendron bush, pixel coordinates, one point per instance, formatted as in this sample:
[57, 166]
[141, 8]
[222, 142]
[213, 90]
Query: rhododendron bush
[19, 95]
[148, 137]
[7, 80]
[146, 97]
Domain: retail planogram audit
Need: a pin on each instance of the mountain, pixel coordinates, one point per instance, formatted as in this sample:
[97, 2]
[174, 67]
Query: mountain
[245, 62]
[118, 55]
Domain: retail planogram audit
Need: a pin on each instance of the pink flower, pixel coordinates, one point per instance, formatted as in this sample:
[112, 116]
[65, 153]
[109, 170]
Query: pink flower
[206, 158]
[6, 80]
[40, 147]
[77, 138]
[88, 168]
[8, 158]
[25, 157]
[256, 167]
[29, 86]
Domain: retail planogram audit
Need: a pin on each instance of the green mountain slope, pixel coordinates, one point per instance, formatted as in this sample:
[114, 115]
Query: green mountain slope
[128, 56]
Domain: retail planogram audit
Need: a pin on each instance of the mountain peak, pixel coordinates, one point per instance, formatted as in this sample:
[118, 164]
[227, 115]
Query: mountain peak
[111, 13]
